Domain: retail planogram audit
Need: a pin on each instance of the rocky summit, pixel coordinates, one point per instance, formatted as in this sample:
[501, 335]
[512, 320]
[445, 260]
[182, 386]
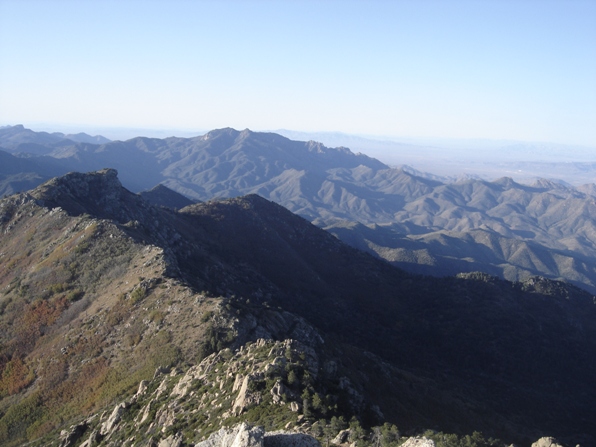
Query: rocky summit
[235, 322]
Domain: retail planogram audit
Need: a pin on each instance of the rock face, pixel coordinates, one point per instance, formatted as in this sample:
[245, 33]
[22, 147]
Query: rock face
[247, 398]
[419, 442]
[547, 442]
[245, 435]
[76, 192]
[342, 437]
[242, 435]
[108, 426]
[171, 441]
[69, 438]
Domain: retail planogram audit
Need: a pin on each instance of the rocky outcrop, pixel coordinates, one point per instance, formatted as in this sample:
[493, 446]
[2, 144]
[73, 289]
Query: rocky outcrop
[70, 437]
[280, 393]
[93, 440]
[217, 390]
[171, 441]
[245, 435]
[342, 437]
[419, 442]
[109, 425]
[78, 193]
[547, 442]
[242, 435]
[247, 398]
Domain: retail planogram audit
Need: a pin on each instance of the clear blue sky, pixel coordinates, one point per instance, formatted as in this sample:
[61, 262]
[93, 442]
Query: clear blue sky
[506, 69]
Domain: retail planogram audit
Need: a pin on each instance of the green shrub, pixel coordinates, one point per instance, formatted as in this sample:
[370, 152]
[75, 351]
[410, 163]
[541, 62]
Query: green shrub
[137, 295]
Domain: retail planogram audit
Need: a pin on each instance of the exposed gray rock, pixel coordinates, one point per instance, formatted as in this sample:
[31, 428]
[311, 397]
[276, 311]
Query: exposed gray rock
[419, 442]
[171, 441]
[342, 437]
[70, 437]
[141, 390]
[245, 435]
[547, 442]
[242, 435]
[93, 439]
[113, 420]
[279, 392]
[184, 384]
[246, 398]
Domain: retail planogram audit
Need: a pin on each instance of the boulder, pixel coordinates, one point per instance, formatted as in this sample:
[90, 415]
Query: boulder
[70, 437]
[547, 442]
[242, 435]
[93, 439]
[245, 435]
[141, 390]
[280, 392]
[342, 437]
[419, 442]
[171, 441]
[246, 398]
[114, 418]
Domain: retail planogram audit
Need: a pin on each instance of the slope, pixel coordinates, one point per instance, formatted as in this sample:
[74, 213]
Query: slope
[100, 288]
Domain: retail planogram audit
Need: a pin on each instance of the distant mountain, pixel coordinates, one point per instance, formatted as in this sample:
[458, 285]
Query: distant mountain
[20, 173]
[504, 228]
[82, 137]
[19, 139]
[126, 322]
[420, 222]
[481, 158]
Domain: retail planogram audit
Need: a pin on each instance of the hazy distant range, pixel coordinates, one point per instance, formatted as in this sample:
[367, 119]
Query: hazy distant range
[446, 160]
[453, 159]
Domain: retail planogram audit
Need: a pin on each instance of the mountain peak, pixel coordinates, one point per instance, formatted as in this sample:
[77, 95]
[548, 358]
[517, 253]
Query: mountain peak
[506, 182]
[83, 137]
[544, 183]
[223, 132]
[98, 192]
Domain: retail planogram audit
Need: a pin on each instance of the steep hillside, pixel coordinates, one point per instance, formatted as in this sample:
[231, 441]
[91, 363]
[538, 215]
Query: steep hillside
[99, 288]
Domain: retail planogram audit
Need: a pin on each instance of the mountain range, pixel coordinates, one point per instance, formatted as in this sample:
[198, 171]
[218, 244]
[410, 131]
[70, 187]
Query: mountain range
[414, 221]
[239, 311]
[453, 159]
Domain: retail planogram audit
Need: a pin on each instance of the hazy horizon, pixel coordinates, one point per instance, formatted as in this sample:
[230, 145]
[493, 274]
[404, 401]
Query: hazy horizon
[444, 159]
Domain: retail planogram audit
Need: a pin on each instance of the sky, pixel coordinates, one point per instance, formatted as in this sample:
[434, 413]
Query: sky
[507, 69]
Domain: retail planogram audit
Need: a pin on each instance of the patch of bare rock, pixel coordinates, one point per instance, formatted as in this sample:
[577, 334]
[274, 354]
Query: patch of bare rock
[245, 435]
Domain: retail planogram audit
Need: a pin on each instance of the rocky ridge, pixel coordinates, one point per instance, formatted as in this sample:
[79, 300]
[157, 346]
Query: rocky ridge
[97, 294]
[183, 408]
